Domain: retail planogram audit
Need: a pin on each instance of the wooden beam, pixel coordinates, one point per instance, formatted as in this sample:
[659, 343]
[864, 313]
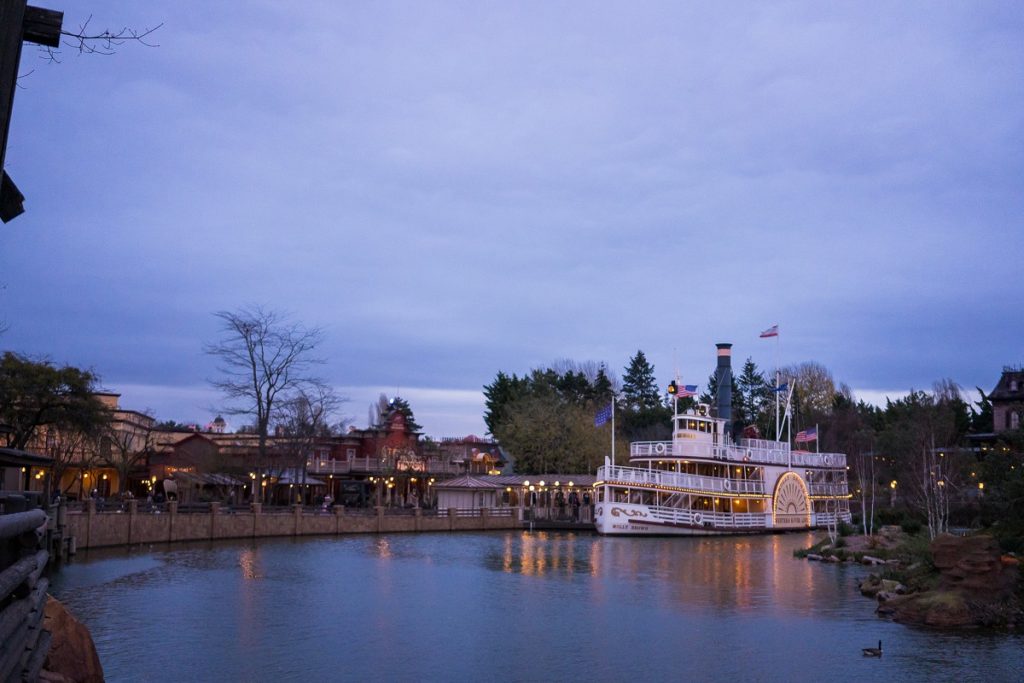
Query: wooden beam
[12, 15]
[42, 26]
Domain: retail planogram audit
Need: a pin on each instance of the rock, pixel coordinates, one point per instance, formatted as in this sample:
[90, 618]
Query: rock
[889, 585]
[870, 586]
[869, 560]
[72, 655]
[814, 557]
[884, 596]
[900, 589]
[975, 588]
[833, 558]
[972, 563]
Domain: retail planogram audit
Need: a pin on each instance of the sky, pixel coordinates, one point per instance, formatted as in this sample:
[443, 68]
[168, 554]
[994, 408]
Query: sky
[450, 189]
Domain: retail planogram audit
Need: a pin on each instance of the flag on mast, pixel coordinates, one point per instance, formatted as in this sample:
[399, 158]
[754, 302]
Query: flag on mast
[772, 331]
[807, 435]
[603, 415]
[687, 390]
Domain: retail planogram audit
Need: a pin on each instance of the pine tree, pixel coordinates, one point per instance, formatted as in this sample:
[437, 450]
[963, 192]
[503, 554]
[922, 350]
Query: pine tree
[639, 388]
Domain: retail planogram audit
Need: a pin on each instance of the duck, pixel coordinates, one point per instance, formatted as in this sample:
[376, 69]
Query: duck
[873, 651]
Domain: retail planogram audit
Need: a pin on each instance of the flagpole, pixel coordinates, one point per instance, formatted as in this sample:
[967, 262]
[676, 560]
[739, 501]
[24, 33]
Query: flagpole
[613, 430]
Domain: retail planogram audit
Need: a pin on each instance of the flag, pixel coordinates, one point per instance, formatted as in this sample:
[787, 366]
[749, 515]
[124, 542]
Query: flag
[603, 415]
[782, 387]
[807, 435]
[688, 390]
[772, 331]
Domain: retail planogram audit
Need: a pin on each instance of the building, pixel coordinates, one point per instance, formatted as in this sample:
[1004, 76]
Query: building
[1008, 400]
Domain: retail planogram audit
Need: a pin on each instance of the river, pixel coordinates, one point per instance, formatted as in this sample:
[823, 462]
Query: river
[508, 606]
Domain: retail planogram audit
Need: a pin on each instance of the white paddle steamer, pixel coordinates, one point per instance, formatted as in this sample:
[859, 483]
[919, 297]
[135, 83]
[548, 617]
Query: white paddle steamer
[702, 483]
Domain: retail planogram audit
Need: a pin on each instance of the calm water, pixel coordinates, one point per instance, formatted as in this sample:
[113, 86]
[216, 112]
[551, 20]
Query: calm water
[503, 607]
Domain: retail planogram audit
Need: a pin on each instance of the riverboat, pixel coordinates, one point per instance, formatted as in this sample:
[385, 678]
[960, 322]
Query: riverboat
[704, 483]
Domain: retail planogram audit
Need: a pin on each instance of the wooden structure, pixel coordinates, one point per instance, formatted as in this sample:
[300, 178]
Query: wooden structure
[24, 643]
[19, 23]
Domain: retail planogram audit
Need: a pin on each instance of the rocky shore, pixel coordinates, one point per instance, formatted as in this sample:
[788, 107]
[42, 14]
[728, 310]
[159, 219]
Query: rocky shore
[953, 582]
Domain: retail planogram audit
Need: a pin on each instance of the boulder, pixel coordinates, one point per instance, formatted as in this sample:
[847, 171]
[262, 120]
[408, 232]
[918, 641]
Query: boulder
[72, 655]
[972, 563]
[815, 557]
[975, 588]
[869, 560]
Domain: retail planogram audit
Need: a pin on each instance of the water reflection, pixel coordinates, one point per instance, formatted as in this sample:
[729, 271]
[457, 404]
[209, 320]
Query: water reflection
[502, 606]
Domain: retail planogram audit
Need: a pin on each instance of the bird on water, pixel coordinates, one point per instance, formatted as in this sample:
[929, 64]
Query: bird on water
[873, 651]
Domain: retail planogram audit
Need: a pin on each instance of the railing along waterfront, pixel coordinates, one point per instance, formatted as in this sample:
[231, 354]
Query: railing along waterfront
[174, 521]
[382, 465]
[641, 476]
[24, 643]
[756, 451]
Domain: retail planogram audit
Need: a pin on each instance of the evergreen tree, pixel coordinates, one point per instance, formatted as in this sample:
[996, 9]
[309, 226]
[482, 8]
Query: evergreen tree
[639, 388]
[752, 396]
[982, 419]
[645, 415]
[402, 406]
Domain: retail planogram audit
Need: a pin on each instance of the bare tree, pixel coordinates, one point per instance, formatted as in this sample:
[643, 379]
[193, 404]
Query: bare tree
[71, 449]
[88, 42]
[126, 443]
[265, 361]
[304, 420]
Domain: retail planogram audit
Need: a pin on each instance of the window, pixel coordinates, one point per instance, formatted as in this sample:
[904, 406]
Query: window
[1014, 420]
[350, 453]
[1013, 385]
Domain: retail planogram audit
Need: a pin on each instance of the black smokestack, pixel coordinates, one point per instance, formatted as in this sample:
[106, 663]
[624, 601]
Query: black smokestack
[723, 382]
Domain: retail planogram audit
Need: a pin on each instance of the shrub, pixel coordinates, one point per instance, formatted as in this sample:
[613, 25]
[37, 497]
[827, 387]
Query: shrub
[911, 526]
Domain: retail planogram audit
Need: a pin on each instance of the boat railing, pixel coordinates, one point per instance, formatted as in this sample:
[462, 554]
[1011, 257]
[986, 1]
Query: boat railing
[758, 451]
[823, 489]
[710, 518]
[820, 519]
[638, 475]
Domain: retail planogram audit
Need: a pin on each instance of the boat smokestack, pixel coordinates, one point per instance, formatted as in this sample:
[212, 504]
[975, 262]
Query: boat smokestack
[723, 383]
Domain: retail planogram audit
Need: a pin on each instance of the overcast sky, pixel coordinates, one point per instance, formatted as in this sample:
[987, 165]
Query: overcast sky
[452, 189]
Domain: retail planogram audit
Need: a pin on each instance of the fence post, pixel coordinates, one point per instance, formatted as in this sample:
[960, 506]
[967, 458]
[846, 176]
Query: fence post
[90, 513]
[133, 510]
[214, 511]
[172, 514]
[339, 512]
[257, 510]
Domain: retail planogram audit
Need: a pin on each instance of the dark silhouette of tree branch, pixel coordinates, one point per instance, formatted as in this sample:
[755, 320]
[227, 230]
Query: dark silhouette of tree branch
[103, 43]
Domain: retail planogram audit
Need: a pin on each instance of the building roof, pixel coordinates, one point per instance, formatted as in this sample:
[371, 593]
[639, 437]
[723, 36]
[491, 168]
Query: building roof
[12, 457]
[1010, 386]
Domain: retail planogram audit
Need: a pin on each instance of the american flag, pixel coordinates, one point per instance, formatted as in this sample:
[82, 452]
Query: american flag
[603, 415]
[688, 390]
[772, 331]
[807, 435]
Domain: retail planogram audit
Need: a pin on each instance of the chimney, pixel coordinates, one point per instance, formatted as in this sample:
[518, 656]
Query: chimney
[723, 381]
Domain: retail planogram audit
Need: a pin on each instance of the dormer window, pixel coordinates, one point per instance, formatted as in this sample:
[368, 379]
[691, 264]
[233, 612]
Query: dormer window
[1013, 385]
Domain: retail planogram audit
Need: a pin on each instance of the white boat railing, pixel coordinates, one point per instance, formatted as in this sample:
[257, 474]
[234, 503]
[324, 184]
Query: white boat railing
[828, 489]
[820, 519]
[758, 451]
[711, 519]
[640, 476]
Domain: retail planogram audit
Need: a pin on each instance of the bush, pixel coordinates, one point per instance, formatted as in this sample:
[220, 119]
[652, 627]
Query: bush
[840, 542]
[846, 529]
[911, 526]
